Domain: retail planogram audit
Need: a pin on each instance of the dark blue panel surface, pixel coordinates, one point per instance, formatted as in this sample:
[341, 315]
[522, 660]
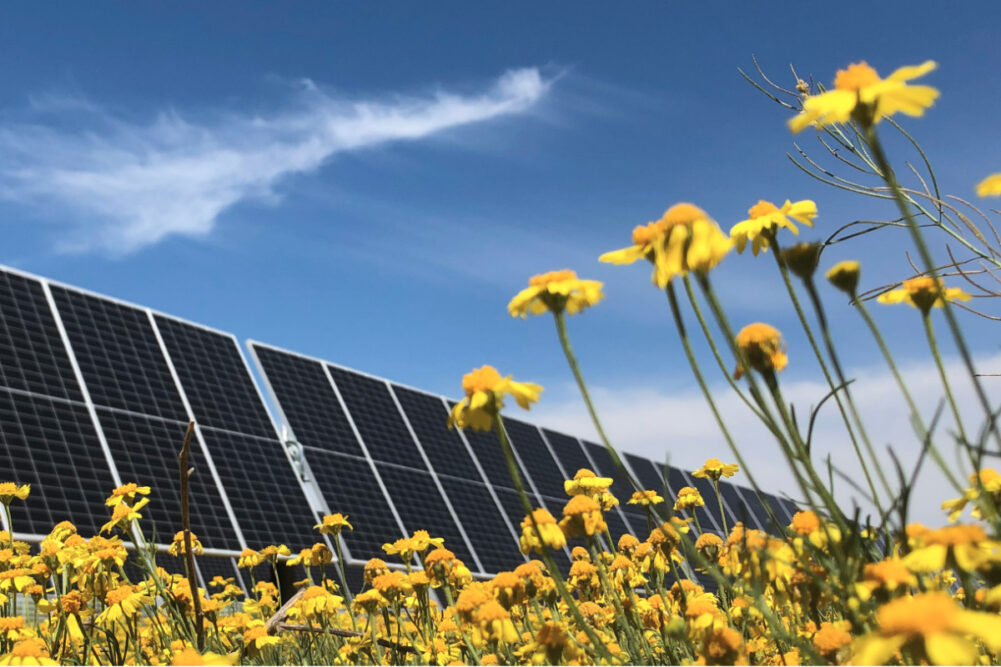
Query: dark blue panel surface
[119, 356]
[568, 451]
[444, 447]
[53, 446]
[377, 418]
[307, 401]
[32, 355]
[535, 456]
[218, 385]
[494, 544]
[145, 451]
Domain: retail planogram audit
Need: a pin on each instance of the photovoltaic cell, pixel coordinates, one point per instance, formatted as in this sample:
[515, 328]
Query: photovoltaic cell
[377, 418]
[444, 447]
[53, 446]
[489, 453]
[568, 451]
[648, 473]
[754, 504]
[535, 455]
[217, 384]
[740, 510]
[120, 359]
[211, 566]
[308, 401]
[705, 488]
[485, 527]
[262, 488]
[145, 452]
[421, 507]
[349, 487]
[32, 355]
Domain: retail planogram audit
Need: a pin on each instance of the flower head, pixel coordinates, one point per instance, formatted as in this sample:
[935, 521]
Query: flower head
[990, 186]
[333, 524]
[556, 292]
[924, 293]
[645, 498]
[582, 517]
[765, 218]
[126, 493]
[762, 347]
[485, 391]
[860, 93]
[9, 491]
[684, 239]
[714, 469]
[552, 536]
[688, 497]
[844, 276]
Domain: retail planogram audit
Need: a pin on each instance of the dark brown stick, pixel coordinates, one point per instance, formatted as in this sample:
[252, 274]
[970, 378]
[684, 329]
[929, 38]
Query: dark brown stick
[189, 555]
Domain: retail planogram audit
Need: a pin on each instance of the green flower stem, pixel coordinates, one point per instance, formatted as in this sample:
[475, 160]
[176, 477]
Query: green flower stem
[561, 331]
[715, 350]
[547, 557]
[719, 500]
[755, 391]
[700, 379]
[784, 270]
[912, 406]
[344, 579]
[950, 316]
[933, 345]
[818, 307]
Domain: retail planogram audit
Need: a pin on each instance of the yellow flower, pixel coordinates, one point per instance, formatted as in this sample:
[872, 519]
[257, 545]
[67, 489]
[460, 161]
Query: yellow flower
[962, 546]
[763, 348]
[176, 547]
[684, 239]
[123, 516]
[990, 186]
[495, 622]
[989, 480]
[645, 498]
[924, 293]
[585, 482]
[9, 491]
[190, 656]
[766, 218]
[688, 497]
[714, 469]
[556, 291]
[30, 651]
[123, 603]
[844, 276]
[582, 517]
[552, 536]
[860, 93]
[126, 492]
[485, 391]
[333, 524]
[933, 627]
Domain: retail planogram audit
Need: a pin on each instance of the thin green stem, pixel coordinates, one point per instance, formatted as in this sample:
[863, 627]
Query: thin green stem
[933, 345]
[719, 501]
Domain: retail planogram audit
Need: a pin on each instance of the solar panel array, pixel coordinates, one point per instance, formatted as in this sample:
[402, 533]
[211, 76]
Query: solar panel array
[382, 453]
[95, 392]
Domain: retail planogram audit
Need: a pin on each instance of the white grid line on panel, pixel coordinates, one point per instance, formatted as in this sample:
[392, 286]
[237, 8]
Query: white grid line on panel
[434, 476]
[198, 431]
[84, 391]
[316, 494]
[364, 449]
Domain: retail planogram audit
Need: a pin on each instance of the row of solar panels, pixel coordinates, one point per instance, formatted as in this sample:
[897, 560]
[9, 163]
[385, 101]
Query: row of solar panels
[94, 392]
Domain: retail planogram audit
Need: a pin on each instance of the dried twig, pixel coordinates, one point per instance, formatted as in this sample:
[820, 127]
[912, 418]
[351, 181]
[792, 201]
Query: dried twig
[189, 555]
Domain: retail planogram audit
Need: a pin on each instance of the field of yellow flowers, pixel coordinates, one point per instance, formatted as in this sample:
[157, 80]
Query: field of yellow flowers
[826, 589]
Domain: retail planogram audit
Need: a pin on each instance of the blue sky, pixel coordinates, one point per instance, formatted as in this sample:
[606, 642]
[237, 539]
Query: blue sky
[370, 183]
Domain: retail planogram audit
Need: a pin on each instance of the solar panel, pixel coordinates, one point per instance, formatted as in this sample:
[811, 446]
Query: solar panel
[444, 447]
[488, 451]
[53, 446]
[307, 401]
[647, 473]
[489, 533]
[759, 511]
[739, 509]
[621, 487]
[568, 451]
[535, 455]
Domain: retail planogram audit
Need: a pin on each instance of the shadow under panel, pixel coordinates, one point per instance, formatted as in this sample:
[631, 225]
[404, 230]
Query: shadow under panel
[216, 381]
[349, 486]
[119, 356]
[444, 447]
[535, 455]
[32, 355]
[53, 446]
[263, 489]
[486, 528]
[307, 401]
[377, 418]
[422, 507]
[145, 452]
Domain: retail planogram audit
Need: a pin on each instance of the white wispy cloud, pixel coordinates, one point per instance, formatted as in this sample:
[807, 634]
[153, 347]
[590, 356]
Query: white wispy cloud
[679, 427]
[123, 185]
